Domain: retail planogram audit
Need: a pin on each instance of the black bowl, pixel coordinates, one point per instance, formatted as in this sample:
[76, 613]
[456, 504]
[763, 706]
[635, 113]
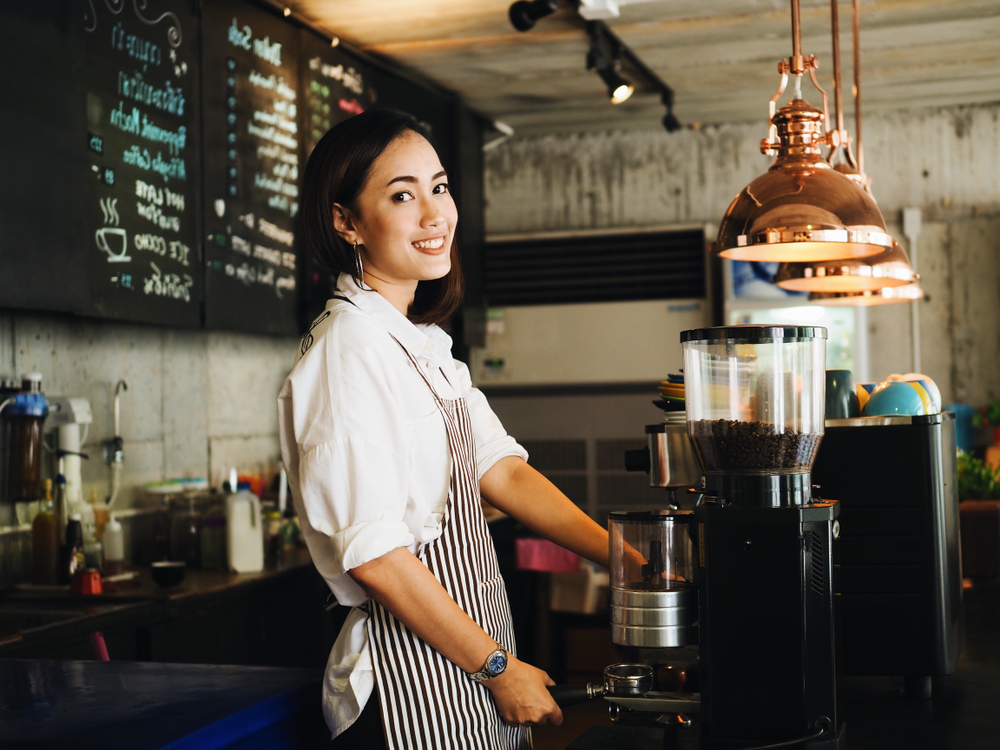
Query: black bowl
[168, 572]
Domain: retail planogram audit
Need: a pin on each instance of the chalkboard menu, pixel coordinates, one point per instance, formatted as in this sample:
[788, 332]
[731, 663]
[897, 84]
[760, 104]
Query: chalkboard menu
[252, 148]
[141, 201]
[153, 158]
[334, 87]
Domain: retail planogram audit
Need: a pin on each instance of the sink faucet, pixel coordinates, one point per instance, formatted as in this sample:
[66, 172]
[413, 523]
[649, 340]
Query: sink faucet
[115, 448]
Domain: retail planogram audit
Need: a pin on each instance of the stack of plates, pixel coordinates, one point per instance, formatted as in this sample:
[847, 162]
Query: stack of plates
[672, 393]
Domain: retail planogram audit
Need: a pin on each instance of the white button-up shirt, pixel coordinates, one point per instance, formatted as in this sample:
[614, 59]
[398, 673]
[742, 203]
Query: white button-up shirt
[367, 456]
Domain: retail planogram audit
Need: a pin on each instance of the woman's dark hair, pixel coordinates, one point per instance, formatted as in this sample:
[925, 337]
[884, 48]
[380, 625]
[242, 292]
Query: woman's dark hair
[336, 173]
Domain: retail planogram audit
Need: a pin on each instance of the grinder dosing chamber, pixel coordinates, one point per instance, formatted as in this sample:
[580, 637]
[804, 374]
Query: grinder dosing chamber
[654, 599]
[755, 401]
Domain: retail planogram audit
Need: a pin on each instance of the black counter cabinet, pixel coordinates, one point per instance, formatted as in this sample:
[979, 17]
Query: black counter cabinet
[272, 618]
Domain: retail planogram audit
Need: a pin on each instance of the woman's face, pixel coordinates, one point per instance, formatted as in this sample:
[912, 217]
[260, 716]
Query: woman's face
[404, 217]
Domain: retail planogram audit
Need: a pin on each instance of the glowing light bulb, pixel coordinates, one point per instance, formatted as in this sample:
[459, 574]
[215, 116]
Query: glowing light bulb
[623, 92]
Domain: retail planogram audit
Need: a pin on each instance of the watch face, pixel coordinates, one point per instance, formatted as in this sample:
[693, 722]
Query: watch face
[497, 663]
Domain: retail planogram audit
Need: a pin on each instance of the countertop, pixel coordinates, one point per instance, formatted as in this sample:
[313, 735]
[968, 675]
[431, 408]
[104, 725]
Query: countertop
[33, 612]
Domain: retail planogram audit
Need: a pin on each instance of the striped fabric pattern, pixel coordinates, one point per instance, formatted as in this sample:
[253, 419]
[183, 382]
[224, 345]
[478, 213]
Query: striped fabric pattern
[426, 700]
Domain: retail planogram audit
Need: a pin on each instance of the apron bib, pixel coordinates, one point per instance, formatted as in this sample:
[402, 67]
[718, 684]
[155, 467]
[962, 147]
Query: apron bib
[428, 702]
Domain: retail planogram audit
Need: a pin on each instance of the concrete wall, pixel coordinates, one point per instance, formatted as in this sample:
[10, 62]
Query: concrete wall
[197, 403]
[944, 161]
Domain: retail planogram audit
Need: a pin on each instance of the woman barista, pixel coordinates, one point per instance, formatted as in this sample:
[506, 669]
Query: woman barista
[389, 448]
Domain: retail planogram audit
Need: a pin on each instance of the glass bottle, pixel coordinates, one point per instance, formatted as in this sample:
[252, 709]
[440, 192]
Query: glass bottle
[45, 542]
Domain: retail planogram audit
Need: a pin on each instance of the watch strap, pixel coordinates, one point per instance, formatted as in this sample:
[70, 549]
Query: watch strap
[499, 657]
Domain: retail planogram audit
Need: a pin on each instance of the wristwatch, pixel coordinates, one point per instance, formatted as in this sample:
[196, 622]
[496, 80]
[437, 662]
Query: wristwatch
[495, 664]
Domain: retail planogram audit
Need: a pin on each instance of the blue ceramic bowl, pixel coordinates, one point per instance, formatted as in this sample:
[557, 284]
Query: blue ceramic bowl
[892, 398]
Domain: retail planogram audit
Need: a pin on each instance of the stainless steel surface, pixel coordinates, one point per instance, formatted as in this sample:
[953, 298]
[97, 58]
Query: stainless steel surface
[671, 458]
[654, 619]
[688, 703]
[627, 679]
[870, 421]
[675, 598]
[648, 637]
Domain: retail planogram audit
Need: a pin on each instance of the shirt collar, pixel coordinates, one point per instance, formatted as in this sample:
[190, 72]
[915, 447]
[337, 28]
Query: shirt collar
[419, 340]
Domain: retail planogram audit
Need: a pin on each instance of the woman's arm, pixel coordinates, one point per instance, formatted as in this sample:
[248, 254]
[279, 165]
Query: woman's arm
[522, 493]
[403, 585]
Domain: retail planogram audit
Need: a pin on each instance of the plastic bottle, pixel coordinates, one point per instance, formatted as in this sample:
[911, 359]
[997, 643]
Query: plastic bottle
[114, 548]
[244, 531]
[45, 542]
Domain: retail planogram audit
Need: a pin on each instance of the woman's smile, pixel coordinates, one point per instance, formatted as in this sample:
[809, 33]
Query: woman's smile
[431, 245]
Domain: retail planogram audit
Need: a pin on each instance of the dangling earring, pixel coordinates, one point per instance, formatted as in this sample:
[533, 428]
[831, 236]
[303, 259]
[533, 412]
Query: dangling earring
[360, 269]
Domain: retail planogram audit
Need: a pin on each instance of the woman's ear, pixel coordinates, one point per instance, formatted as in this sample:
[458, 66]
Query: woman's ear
[343, 224]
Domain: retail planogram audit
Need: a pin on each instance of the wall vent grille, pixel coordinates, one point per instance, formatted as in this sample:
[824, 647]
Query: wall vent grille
[598, 268]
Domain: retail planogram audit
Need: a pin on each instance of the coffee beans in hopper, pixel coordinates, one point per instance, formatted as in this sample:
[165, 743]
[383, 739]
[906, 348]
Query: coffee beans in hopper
[734, 446]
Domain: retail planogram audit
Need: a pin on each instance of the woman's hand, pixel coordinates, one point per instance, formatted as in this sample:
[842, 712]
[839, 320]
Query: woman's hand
[522, 695]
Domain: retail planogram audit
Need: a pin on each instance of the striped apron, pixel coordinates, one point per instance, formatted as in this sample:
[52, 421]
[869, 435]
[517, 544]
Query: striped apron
[427, 702]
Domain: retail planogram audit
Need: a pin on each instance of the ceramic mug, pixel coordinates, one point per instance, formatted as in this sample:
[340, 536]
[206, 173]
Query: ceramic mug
[841, 395]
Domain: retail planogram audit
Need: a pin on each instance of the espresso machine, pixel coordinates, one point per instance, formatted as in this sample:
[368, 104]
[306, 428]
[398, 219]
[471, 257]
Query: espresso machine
[748, 573]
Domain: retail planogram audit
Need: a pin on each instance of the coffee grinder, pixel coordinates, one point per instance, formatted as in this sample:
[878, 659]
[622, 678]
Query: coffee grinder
[755, 408]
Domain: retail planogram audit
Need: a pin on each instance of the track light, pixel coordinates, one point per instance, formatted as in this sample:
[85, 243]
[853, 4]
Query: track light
[671, 123]
[523, 14]
[597, 59]
[618, 88]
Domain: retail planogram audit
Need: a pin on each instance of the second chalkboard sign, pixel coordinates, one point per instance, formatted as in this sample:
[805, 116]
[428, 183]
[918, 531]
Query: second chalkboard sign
[334, 88]
[252, 150]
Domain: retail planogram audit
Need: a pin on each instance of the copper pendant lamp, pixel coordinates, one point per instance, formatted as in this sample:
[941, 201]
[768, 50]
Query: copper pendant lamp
[802, 209]
[888, 269]
[884, 296]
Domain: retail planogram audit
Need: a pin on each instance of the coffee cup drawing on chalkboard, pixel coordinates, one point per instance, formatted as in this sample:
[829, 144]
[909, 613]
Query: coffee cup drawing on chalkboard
[114, 242]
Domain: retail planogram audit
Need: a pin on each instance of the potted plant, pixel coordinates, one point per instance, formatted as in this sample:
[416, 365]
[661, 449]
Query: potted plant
[989, 416]
[979, 511]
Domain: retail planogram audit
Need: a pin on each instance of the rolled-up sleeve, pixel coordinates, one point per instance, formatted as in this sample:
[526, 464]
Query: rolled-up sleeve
[492, 440]
[331, 475]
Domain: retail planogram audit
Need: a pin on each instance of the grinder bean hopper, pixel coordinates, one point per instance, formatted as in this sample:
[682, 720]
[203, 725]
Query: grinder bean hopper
[755, 410]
